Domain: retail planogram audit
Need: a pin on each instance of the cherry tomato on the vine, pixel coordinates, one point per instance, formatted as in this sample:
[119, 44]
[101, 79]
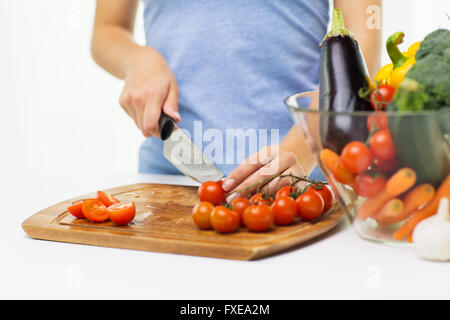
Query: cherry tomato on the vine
[212, 192]
[325, 192]
[377, 121]
[239, 205]
[284, 210]
[258, 218]
[310, 205]
[261, 198]
[285, 191]
[224, 220]
[369, 186]
[381, 96]
[381, 145]
[201, 214]
[356, 157]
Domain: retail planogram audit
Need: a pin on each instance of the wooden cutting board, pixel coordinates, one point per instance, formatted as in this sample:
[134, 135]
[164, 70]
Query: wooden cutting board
[163, 223]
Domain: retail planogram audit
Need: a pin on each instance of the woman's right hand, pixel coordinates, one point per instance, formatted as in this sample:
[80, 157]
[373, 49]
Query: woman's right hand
[150, 86]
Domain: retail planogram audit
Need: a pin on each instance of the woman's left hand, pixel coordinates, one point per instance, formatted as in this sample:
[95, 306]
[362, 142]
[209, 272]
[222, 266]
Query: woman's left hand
[269, 161]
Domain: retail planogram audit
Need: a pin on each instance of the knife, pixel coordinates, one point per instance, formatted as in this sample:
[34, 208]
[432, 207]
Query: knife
[184, 154]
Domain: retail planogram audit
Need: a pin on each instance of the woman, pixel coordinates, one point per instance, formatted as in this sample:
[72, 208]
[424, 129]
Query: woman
[221, 69]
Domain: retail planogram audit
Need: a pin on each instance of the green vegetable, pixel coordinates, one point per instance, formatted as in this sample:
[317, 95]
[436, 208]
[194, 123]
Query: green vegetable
[420, 139]
[409, 96]
[432, 70]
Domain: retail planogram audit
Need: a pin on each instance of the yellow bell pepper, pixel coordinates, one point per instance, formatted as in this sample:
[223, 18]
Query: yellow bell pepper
[394, 73]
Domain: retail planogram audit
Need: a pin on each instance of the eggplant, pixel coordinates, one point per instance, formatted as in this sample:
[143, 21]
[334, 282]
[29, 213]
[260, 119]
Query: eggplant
[343, 73]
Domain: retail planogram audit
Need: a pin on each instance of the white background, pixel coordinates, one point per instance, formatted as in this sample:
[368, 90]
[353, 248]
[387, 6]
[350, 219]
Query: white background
[60, 112]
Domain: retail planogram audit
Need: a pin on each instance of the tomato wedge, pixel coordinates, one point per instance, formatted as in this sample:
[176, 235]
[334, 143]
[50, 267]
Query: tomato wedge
[106, 199]
[94, 210]
[75, 209]
[122, 213]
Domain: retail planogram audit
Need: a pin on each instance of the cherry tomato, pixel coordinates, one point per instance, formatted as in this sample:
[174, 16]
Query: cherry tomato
[258, 218]
[212, 192]
[75, 209]
[356, 157]
[381, 145]
[285, 191]
[380, 98]
[310, 205]
[224, 220]
[261, 198]
[381, 121]
[333, 163]
[369, 186]
[326, 194]
[284, 210]
[106, 199]
[201, 214]
[122, 213]
[386, 166]
[239, 205]
[94, 210]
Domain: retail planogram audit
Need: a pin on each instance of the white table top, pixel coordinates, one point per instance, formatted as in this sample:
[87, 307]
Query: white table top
[338, 265]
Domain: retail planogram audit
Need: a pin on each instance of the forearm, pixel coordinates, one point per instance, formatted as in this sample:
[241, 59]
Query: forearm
[112, 48]
[363, 19]
[112, 40]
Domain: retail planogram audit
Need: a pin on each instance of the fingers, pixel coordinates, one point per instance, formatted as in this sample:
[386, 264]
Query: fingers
[249, 166]
[278, 165]
[171, 104]
[151, 114]
[145, 105]
[296, 170]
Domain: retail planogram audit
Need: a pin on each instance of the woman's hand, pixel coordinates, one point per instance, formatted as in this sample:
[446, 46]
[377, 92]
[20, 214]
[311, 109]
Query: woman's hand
[269, 161]
[150, 86]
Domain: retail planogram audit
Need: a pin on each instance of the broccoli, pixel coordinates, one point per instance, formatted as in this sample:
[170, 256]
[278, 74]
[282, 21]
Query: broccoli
[432, 69]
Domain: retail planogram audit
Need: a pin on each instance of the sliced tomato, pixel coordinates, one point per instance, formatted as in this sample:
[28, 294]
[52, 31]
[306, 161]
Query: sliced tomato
[106, 199]
[122, 213]
[75, 209]
[94, 210]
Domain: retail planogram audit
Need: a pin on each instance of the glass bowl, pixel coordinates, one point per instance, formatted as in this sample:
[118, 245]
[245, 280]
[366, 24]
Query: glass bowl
[420, 141]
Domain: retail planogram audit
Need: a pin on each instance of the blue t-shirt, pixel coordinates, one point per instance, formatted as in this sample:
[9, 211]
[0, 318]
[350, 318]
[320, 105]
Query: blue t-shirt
[235, 62]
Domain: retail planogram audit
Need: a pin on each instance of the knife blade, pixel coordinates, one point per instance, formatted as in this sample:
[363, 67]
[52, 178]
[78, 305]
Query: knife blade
[184, 154]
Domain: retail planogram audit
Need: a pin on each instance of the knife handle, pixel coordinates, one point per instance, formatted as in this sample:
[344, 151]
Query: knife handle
[166, 125]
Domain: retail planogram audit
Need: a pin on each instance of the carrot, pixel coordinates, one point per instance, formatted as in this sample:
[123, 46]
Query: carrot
[414, 199]
[333, 163]
[401, 181]
[430, 209]
[398, 183]
[392, 208]
[373, 205]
